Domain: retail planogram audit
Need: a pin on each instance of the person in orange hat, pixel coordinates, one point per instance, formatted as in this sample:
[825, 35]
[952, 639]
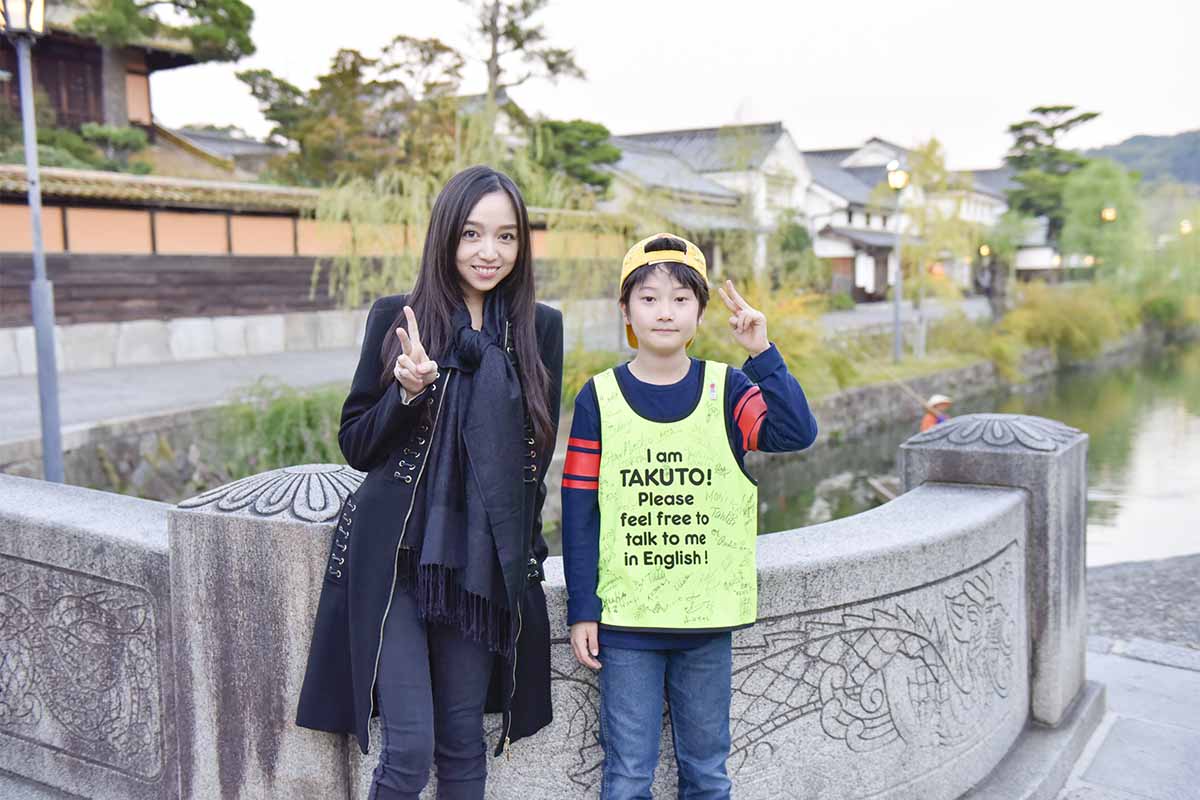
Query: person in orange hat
[937, 411]
[660, 518]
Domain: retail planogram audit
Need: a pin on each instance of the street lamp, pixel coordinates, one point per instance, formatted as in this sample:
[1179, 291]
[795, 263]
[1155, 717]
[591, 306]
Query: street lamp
[1108, 214]
[1185, 227]
[984, 250]
[897, 178]
[22, 21]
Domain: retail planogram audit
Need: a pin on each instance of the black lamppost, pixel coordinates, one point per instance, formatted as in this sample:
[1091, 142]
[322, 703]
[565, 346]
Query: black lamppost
[23, 21]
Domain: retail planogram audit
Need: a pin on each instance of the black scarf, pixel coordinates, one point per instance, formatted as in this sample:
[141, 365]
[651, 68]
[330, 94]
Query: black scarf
[475, 549]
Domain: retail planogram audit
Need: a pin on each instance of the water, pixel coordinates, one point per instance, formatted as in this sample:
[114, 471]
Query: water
[1143, 458]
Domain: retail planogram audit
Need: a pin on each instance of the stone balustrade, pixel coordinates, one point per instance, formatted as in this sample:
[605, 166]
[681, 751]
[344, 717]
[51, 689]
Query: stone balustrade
[922, 649]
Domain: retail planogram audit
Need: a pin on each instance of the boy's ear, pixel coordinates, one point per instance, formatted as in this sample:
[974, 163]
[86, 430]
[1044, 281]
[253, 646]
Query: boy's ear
[624, 312]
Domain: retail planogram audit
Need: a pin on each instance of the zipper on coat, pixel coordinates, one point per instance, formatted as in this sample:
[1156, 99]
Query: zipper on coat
[513, 692]
[396, 560]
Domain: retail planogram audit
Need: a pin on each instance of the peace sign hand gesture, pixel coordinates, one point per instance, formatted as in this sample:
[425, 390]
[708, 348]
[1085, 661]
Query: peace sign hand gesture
[748, 323]
[414, 369]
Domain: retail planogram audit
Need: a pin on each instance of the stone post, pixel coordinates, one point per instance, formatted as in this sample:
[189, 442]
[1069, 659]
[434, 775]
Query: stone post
[1049, 461]
[247, 561]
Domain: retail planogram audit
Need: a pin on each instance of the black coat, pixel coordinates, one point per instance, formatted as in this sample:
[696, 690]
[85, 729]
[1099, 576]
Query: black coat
[390, 442]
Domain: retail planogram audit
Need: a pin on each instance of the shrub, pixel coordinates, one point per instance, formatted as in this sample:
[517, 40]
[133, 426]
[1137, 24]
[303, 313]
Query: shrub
[276, 426]
[1075, 321]
[1165, 310]
[839, 301]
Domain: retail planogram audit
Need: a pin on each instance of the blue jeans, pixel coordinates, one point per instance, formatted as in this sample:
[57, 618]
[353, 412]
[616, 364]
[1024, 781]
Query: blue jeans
[697, 684]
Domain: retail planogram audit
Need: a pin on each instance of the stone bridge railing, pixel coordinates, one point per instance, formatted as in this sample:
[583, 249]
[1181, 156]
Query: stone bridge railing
[933, 647]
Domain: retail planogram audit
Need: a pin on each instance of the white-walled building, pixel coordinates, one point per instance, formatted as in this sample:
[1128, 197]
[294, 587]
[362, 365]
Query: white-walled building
[752, 177]
[759, 164]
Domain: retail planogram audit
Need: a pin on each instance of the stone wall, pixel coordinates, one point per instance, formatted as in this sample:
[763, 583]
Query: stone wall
[594, 324]
[899, 653]
[87, 688]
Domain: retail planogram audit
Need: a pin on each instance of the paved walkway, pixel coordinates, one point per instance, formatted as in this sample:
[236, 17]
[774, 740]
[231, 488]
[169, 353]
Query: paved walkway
[1145, 649]
[98, 396]
[879, 315]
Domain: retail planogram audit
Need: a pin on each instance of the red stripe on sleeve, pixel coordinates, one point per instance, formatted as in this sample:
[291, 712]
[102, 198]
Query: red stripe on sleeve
[585, 443]
[584, 465]
[571, 483]
[752, 392]
[755, 408]
[753, 443]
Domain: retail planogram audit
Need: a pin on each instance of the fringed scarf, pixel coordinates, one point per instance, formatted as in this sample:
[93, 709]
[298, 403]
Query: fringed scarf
[471, 560]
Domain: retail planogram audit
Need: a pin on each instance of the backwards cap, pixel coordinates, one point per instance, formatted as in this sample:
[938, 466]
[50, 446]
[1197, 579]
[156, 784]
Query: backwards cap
[689, 256]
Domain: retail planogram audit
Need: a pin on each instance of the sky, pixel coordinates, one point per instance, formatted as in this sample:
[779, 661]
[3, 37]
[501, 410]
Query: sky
[835, 73]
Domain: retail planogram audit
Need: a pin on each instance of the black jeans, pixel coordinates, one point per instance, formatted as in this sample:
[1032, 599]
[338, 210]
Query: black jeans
[431, 689]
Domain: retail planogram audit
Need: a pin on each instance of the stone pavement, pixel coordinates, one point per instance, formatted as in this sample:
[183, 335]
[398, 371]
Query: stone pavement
[1145, 648]
[879, 315]
[1154, 600]
[107, 395]
[1148, 745]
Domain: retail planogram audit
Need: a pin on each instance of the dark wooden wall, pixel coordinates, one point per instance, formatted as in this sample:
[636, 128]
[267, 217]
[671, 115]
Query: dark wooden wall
[99, 288]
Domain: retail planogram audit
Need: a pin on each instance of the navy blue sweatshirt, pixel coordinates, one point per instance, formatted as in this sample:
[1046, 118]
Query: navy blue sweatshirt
[765, 409]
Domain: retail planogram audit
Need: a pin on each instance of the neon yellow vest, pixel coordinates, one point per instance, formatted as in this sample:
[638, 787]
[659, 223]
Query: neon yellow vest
[678, 517]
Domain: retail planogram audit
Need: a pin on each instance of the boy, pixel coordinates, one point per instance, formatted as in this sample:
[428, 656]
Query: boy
[660, 518]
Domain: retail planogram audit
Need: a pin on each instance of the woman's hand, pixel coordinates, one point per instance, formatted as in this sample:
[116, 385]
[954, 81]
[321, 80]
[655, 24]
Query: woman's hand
[414, 369]
[585, 643]
[748, 323]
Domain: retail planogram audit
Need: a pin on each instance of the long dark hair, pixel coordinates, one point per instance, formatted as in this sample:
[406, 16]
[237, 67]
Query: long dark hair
[438, 293]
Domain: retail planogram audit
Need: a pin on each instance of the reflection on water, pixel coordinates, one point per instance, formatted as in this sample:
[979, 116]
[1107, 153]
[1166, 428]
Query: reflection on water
[1143, 458]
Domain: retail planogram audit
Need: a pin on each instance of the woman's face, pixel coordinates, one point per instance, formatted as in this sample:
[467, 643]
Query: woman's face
[487, 245]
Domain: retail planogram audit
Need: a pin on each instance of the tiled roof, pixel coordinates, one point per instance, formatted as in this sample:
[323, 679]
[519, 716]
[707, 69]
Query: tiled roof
[997, 180]
[660, 169]
[729, 148]
[151, 190]
[61, 16]
[867, 238]
[831, 158]
[841, 182]
[229, 146]
[708, 218]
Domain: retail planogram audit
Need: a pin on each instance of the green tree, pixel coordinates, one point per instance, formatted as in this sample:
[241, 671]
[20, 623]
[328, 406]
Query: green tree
[1003, 241]
[578, 148]
[1041, 165]
[428, 73]
[346, 125]
[1118, 245]
[219, 30]
[936, 232]
[118, 144]
[507, 34]
[365, 114]
[793, 262]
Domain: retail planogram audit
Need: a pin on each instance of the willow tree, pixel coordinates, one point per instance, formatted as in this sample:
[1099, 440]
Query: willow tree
[936, 234]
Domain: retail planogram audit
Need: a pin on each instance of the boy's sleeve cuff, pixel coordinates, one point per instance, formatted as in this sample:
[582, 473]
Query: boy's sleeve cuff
[584, 609]
[759, 366]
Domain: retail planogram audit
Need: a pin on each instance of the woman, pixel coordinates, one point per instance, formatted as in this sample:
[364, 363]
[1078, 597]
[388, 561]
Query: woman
[432, 602]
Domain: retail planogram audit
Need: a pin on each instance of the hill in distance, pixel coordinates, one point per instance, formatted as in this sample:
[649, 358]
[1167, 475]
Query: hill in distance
[1175, 158]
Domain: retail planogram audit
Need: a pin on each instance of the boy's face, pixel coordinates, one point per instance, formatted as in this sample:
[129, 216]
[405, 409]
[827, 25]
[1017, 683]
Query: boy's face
[663, 313]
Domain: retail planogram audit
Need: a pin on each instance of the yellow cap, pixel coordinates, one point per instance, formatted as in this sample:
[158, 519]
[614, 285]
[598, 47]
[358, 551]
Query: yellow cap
[638, 257]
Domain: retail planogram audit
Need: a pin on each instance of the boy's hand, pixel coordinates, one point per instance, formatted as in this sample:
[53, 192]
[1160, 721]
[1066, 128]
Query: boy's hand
[748, 323]
[585, 643]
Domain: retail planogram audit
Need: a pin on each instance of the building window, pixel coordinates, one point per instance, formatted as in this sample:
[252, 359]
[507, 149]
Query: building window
[868, 219]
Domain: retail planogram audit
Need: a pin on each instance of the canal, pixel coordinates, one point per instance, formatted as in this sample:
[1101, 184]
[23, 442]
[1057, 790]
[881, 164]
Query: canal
[1143, 458]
